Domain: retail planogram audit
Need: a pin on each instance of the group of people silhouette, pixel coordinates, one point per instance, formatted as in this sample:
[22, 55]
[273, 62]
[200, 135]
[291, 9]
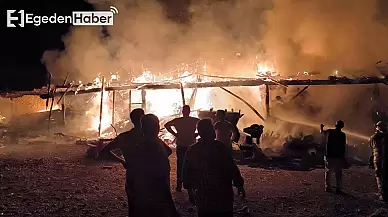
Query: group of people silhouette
[205, 168]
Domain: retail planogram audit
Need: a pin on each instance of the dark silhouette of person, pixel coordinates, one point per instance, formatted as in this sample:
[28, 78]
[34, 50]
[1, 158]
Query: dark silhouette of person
[255, 131]
[334, 155]
[185, 136]
[149, 169]
[209, 174]
[379, 143]
[125, 142]
[225, 130]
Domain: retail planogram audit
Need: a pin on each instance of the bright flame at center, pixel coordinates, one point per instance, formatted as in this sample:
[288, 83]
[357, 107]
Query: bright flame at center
[162, 103]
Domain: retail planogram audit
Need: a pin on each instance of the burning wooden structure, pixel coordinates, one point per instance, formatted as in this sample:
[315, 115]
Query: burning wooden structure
[63, 90]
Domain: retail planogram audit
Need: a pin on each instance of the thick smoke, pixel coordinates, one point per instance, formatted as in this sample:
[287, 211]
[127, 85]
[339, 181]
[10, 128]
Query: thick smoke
[295, 35]
[315, 35]
[143, 37]
[326, 36]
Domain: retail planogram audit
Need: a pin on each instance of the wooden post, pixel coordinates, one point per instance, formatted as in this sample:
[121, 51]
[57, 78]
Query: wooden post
[51, 110]
[113, 107]
[183, 95]
[130, 101]
[101, 106]
[245, 102]
[267, 99]
[48, 90]
[143, 100]
[64, 110]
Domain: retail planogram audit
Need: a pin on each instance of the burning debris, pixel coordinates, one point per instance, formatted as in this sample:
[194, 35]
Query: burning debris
[103, 105]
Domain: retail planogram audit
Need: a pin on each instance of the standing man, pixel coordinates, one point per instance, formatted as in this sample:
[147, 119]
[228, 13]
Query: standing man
[149, 169]
[185, 136]
[225, 130]
[209, 174]
[334, 155]
[126, 142]
[379, 145]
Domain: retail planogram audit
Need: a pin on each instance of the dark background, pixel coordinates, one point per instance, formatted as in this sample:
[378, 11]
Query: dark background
[22, 48]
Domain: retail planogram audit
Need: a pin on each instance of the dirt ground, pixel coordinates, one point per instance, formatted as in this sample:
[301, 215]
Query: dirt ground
[56, 180]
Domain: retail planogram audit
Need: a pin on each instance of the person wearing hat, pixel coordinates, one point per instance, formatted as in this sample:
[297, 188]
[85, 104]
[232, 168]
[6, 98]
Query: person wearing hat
[334, 155]
[378, 144]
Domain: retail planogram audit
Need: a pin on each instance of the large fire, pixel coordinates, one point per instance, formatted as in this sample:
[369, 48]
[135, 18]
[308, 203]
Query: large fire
[163, 103]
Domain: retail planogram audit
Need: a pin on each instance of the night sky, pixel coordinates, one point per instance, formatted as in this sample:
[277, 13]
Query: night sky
[22, 48]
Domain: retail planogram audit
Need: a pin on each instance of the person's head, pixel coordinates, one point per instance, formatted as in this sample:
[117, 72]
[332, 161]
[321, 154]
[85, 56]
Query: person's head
[186, 110]
[136, 116]
[381, 126]
[205, 129]
[339, 125]
[150, 126]
[220, 115]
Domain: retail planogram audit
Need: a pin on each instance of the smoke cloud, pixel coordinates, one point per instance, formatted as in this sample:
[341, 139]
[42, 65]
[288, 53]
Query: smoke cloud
[294, 35]
[143, 36]
[314, 35]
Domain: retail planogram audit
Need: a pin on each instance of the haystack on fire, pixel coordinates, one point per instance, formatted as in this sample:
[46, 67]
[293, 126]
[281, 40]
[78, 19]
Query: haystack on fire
[272, 61]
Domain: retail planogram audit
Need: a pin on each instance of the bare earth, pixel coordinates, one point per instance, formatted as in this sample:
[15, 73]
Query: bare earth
[56, 180]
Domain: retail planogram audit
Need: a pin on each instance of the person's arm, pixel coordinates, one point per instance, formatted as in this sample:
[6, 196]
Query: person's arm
[236, 133]
[165, 146]
[238, 180]
[187, 178]
[345, 147]
[322, 130]
[106, 151]
[376, 151]
[196, 134]
[217, 126]
[168, 126]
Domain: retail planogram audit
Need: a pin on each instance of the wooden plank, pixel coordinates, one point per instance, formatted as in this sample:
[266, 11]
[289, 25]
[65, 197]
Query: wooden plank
[267, 100]
[231, 83]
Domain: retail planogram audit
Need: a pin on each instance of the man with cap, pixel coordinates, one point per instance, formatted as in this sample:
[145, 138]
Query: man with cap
[378, 142]
[185, 136]
[334, 155]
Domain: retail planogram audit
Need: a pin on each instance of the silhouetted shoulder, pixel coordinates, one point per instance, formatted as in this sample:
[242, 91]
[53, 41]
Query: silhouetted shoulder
[124, 134]
[195, 119]
[375, 136]
[221, 146]
[194, 146]
[219, 143]
[217, 124]
[128, 133]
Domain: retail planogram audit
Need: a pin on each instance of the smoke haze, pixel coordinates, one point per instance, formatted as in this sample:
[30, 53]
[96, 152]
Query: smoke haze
[294, 35]
[307, 35]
